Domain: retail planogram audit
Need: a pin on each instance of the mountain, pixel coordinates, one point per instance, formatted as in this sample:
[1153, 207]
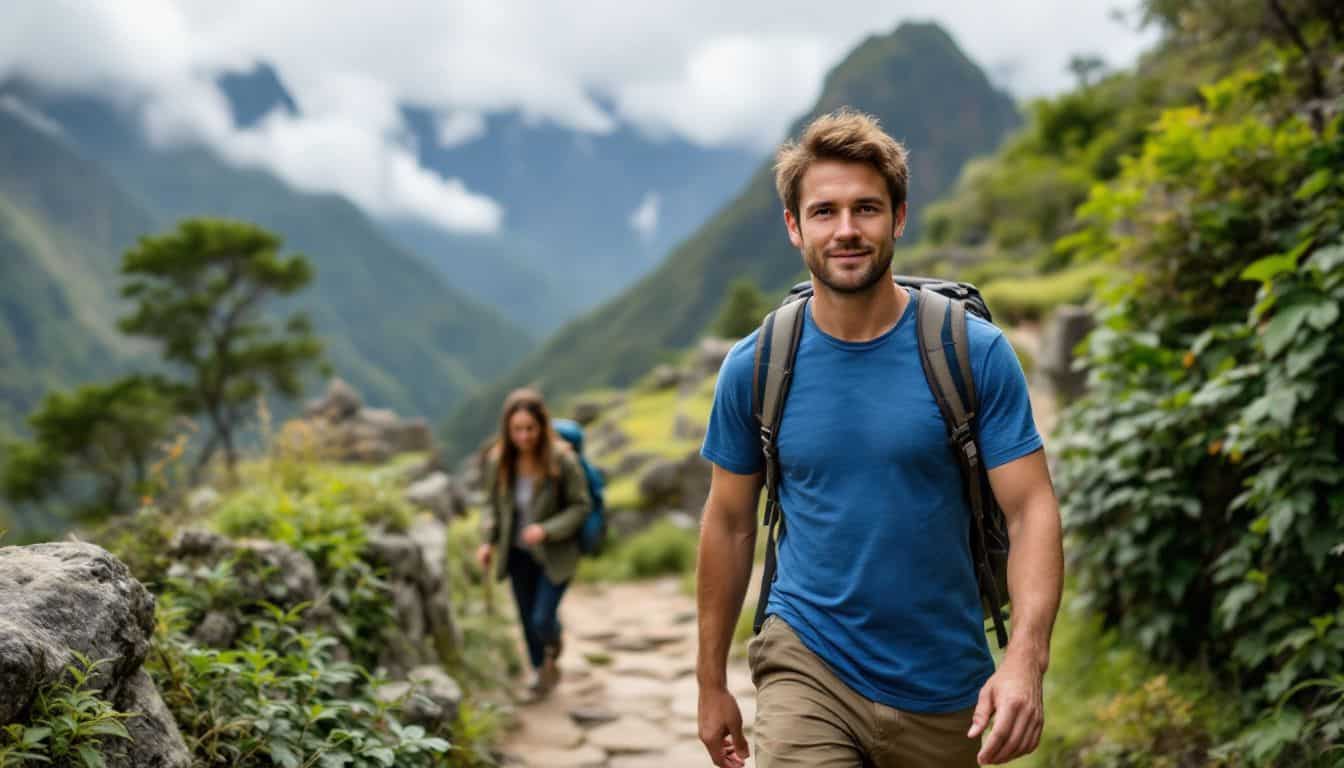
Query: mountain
[925, 91]
[392, 325]
[570, 200]
[60, 218]
[568, 240]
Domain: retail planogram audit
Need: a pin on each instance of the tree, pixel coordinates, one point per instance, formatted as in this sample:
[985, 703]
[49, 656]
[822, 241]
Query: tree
[101, 434]
[199, 292]
[1085, 67]
[741, 311]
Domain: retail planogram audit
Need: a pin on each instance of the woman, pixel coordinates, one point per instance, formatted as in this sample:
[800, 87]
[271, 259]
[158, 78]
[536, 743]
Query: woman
[538, 499]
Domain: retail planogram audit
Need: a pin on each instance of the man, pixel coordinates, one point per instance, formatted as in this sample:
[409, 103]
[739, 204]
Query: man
[874, 650]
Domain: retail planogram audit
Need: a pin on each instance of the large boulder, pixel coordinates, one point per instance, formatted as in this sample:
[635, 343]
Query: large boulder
[424, 631]
[587, 410]
[438, 494]
[676, 484]
[265, 570]
[1067, 326]
[664, 377]
[340, 427]
[339, 403]
[710, 355]
[65, 598]
[430, 698]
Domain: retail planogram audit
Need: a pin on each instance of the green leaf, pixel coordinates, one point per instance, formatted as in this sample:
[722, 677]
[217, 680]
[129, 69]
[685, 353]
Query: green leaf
[284, 755]
[1323, 315]
[1270, 267]
[1237, 598]
[1283, 328]
[1328, 259]
[435, 744]
[1281, 404]
[1281, 521]
[1301, 360]
[32, 736]
[383, 755]
[1314, 184]
[110, 728]
[90, 757]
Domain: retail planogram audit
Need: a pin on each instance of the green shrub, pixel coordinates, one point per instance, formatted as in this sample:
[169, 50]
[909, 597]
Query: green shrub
[1017, 299]
[659, 550]
[69, 725]
[1201, 474]
[280, 698]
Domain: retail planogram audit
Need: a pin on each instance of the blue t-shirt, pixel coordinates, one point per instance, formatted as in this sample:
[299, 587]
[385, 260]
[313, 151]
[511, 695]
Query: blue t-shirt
[874, 565]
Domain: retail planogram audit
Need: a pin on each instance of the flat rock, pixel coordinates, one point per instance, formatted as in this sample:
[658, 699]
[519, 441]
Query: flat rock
[630, 735]
[588, 717]
[581, 757]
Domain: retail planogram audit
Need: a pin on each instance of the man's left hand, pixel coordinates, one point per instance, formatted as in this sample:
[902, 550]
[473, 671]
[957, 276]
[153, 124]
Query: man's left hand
[533, 535]
[1012, 697]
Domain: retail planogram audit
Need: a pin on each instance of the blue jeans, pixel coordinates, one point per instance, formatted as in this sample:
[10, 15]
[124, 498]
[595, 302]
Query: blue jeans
[538, 601]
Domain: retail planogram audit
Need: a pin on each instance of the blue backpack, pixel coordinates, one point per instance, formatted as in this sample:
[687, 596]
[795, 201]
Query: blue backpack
[593, 534]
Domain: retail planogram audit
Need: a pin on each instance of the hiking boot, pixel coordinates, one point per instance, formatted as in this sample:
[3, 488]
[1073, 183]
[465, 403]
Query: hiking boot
[549, 674]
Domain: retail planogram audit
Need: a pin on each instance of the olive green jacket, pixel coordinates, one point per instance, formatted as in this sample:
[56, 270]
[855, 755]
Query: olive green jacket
[561, 517]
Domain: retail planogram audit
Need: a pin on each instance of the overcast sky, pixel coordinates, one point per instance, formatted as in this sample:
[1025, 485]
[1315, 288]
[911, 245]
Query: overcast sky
[712, 72]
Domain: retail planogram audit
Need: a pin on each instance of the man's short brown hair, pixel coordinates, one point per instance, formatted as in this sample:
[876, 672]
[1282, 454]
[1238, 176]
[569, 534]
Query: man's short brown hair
[847, 135]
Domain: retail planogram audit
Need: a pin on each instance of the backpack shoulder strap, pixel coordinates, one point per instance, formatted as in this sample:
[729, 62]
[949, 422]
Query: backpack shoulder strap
[776, 352]
[940, 319]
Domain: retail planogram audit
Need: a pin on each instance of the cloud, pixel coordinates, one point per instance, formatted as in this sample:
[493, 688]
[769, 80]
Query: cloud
[735, 74]
[644, 219]
[458, 128]
[732, 90]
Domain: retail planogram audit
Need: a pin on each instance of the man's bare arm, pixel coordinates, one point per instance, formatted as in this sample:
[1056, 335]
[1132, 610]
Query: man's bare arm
[1036, 558]
[1014, 696]
[723, 567]
[727, 543]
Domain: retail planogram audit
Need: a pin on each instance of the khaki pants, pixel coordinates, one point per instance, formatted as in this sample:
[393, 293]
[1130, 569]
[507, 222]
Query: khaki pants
[806, 717]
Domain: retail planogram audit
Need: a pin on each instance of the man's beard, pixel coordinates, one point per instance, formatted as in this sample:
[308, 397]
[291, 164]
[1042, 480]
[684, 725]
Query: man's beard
[818, 265]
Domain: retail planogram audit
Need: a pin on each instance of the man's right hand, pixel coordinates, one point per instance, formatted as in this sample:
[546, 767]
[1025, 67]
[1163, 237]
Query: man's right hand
[484, 554]
[721, 728]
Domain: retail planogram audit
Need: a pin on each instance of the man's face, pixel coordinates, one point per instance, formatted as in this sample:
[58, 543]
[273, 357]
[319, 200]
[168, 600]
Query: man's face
[846, 227]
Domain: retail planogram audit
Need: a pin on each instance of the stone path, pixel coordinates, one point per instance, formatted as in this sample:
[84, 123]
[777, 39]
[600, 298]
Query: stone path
[628, 695]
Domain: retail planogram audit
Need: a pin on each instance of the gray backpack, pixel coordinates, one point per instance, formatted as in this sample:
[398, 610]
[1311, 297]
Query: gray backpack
[944, 352]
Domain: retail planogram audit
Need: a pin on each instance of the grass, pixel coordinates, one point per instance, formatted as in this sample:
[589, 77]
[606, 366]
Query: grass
[647, 419]
[1106, 704]
[661, 549]
[1014, 299]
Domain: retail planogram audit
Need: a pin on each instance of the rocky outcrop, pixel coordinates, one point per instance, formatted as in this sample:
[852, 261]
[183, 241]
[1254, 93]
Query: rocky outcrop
[340, 427]
[1066, 327]
[65, 598]
[676, 484]
[423, 630]
[265, 570]
[431, 699]
[440, 494]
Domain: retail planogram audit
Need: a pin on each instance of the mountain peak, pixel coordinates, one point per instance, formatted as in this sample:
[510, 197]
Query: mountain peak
[254, 94]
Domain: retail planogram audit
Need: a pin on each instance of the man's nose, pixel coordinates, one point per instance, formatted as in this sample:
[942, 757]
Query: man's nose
[845, 228]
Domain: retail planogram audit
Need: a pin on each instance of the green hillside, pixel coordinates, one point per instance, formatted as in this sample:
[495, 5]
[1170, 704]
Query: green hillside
[924, 90]
[70, 205]
[61, 221]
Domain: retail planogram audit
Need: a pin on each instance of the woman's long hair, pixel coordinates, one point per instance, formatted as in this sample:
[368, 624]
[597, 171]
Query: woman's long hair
[531, 401]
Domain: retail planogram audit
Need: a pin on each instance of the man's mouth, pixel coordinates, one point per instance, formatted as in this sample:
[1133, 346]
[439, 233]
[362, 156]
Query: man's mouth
[847, 255]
